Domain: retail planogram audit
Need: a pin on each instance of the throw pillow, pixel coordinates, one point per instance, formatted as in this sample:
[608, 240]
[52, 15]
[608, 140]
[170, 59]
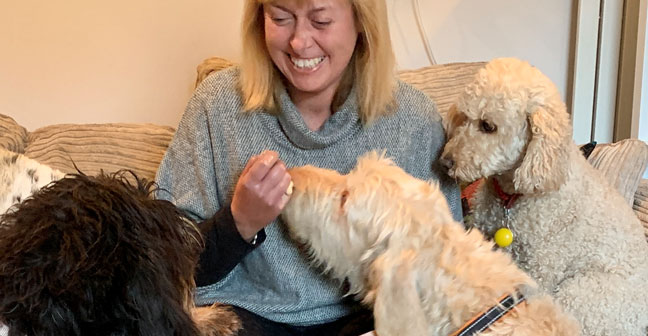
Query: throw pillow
[623, 164]
[20, 177]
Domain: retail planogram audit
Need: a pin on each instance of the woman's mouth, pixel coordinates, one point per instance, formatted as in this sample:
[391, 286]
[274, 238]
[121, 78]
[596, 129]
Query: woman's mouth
[306, 63]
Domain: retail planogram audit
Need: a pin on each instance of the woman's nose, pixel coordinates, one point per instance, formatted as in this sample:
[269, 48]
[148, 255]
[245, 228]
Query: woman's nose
[302, 38]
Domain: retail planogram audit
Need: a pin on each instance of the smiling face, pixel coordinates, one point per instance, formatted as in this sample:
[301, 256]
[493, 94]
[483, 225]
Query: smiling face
[311, 42]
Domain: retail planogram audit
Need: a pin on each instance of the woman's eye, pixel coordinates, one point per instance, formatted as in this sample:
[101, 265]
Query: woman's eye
[280, 20]
[487, 127]
[321, 24]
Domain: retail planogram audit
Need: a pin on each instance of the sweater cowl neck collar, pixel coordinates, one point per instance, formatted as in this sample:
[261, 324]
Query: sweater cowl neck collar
[338, 126]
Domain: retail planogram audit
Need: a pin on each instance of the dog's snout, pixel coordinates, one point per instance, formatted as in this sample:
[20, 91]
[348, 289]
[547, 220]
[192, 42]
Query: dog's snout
[446, 162]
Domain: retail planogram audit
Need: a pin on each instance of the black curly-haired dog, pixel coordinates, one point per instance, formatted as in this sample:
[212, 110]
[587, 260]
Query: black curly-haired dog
[99, 256]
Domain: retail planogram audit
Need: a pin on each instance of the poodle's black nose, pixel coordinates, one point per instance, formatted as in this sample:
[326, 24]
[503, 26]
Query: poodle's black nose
[446, 162]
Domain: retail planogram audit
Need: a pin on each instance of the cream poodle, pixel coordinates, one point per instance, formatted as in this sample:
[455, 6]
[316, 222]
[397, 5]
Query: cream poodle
[393, 238]
[572, 232]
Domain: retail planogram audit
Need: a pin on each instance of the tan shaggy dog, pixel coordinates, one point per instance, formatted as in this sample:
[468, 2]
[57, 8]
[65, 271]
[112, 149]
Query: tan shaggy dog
[573, 232]
[393, 238]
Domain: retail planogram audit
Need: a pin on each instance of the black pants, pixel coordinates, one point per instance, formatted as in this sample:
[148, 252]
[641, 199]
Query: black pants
[353, 325]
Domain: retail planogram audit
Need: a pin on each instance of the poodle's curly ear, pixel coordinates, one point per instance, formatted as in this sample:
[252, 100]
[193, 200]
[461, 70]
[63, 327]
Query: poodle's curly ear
[544, 166]
[453, 119]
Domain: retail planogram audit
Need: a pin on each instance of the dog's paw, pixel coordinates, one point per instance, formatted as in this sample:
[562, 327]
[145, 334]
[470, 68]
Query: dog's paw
[216, 320]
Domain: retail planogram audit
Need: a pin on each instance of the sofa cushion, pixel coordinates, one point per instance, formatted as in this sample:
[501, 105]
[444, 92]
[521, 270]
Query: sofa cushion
[623, 164]
[442, 82]
[96, 147]
[13, 137]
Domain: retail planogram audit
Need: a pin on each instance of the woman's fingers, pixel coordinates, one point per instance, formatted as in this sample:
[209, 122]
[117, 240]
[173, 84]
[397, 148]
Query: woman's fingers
[287, 191]
[262, 165]
[259, 193]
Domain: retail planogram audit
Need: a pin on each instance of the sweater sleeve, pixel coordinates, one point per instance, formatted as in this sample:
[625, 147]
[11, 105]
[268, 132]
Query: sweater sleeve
[187, 177]
[224, 247]
[187, 174]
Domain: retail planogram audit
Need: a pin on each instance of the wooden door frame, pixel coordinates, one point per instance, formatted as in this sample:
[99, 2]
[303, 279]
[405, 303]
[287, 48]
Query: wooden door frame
[631, 70]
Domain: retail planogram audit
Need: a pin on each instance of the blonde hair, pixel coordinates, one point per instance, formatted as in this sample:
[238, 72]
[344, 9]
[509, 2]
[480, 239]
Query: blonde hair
[372, 64]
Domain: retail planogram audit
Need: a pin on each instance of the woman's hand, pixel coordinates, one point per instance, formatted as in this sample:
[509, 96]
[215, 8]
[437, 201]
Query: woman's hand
[259, 195]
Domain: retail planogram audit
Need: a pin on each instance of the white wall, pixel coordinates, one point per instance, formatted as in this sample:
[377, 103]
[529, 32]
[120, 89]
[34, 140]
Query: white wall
[108, 61]
[478, 30]
[134, 61]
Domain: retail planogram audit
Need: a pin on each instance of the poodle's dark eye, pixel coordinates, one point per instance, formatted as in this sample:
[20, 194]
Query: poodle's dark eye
[343, 197]
[487, 127]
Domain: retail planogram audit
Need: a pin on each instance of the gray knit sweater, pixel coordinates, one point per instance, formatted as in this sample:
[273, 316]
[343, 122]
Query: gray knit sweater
[214, 142]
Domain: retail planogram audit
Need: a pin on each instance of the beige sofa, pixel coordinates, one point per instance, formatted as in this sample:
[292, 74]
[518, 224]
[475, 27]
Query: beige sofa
[140, 147]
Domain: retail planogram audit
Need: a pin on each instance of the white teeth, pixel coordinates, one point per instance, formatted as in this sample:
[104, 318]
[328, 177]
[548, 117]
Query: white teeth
[306, 63]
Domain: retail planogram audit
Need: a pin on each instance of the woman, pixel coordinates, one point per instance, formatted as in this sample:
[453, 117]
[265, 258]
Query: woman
[316, 86]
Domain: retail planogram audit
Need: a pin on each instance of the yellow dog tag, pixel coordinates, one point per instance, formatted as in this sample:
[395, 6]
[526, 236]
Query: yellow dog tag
[503, 237]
